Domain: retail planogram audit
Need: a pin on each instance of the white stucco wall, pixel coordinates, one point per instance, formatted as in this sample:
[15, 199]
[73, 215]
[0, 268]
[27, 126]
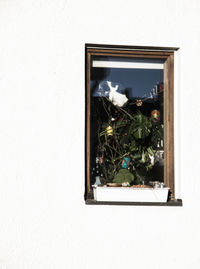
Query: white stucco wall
[44, 223]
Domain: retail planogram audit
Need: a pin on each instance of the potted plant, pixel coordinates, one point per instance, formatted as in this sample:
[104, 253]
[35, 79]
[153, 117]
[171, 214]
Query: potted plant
[127, 141]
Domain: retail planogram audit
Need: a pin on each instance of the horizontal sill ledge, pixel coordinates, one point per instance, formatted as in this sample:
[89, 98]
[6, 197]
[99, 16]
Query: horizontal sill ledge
[177, 202]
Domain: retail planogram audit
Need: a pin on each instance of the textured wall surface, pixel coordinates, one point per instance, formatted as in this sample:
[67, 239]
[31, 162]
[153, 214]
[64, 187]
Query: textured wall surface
[44, 223]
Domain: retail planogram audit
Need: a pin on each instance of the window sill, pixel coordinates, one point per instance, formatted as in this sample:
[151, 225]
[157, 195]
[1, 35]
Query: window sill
[177, 202]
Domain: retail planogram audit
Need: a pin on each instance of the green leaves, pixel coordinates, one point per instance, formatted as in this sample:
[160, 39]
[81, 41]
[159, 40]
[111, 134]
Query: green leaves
[150, 151]
[140, 126]
[157, 133]
[124, 175]
[136, 137]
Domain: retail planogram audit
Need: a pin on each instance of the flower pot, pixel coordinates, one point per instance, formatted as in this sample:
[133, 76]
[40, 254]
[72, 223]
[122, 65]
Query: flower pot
[129, 194]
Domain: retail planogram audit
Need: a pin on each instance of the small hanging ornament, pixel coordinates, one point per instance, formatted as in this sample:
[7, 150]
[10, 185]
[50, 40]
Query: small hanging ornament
[139, 102]
[161, 87]
[159, 156]
[125, 162]
[109, 131]
[101, 160]
[155, 115]
[115, 115]
[155, 92]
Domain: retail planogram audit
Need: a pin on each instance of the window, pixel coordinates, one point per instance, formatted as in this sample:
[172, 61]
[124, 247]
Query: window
[129, 124]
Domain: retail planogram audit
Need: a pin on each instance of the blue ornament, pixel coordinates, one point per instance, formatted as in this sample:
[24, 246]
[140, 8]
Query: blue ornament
[125, 162]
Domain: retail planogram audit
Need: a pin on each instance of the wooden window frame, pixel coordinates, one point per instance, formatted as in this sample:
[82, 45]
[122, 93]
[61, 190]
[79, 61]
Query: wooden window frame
[167, 54]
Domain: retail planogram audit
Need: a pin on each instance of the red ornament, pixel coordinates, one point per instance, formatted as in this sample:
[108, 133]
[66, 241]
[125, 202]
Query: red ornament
[155, 114]
[101, 160]
[161, 87]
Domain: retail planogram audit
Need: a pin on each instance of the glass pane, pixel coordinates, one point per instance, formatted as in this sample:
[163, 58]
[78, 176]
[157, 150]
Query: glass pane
[126, 120]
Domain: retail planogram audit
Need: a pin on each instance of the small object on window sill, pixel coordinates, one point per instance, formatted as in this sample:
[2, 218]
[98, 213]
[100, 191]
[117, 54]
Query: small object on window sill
[97, 182]
[141, 186]
[114, 184]
[123, 175]
[157, 184]
[125, 184]
[162, 185]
